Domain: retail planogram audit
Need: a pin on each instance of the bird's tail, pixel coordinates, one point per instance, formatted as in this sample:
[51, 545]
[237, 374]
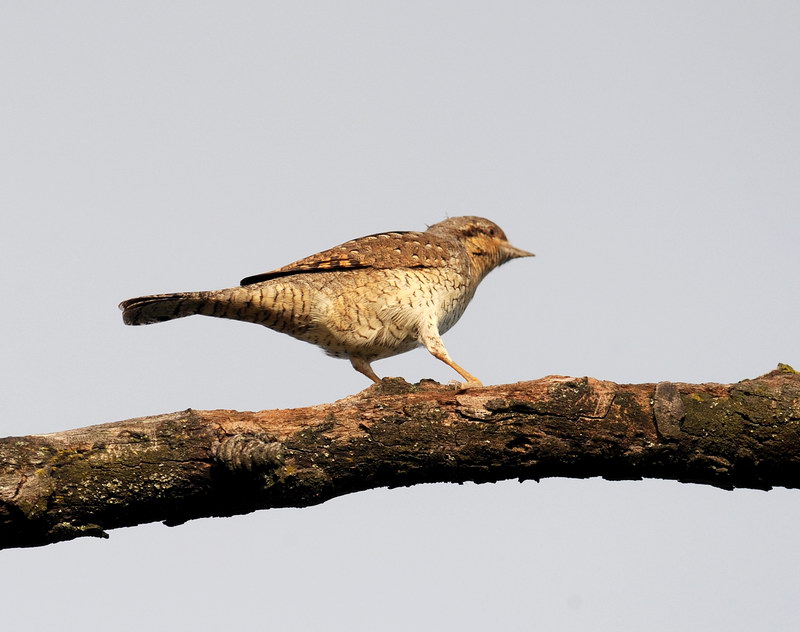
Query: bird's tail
[157, 308]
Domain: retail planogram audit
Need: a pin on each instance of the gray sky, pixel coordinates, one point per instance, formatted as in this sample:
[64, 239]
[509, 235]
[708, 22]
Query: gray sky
[649, 153]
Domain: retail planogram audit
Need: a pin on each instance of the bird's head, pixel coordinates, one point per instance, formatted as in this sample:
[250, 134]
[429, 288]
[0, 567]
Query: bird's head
[485, 242]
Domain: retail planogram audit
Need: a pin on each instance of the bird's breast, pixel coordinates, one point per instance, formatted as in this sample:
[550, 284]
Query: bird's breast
[370, 312]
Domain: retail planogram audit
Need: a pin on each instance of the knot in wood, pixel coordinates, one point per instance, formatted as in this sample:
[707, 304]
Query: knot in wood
[250, 452]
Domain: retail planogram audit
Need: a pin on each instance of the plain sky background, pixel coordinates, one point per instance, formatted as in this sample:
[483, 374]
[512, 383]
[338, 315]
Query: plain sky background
[648, 152]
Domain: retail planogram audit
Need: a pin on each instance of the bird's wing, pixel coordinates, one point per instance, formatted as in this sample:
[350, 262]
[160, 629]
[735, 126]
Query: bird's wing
[381, 251]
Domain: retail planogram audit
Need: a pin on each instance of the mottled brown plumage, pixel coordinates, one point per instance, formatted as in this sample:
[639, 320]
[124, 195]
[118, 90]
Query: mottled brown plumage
[367, 299]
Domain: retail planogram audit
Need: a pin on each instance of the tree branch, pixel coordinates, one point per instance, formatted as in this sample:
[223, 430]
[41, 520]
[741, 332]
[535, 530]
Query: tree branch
[193, 464]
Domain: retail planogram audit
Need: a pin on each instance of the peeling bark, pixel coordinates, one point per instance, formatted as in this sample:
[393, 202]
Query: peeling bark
[193, 464]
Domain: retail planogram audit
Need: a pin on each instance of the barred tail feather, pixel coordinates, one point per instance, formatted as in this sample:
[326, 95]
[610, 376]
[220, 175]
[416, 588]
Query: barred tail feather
[145, 310]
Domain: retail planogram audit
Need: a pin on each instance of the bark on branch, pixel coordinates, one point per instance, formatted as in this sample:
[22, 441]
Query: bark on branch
[193, 464]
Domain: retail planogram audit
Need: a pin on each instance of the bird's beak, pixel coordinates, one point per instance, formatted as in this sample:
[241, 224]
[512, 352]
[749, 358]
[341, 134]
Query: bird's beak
[515, 253]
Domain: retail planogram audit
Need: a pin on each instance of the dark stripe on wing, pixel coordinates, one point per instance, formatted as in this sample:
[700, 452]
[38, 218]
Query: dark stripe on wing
[380, 251]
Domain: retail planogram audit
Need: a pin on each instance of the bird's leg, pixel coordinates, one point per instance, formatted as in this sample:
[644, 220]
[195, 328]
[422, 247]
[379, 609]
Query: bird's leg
[433, 343]
[363, 367]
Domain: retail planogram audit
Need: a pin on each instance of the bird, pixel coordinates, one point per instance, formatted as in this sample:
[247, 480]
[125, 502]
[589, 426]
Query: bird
[369, 298]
